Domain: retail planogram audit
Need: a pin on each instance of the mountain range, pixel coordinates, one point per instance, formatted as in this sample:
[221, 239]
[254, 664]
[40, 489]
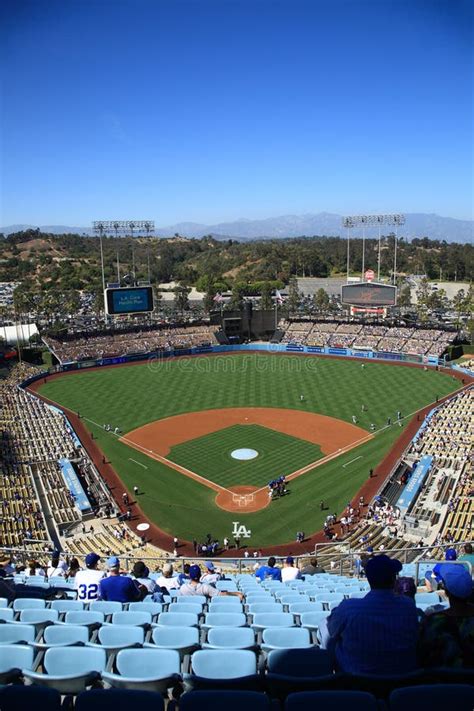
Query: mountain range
[323, 223]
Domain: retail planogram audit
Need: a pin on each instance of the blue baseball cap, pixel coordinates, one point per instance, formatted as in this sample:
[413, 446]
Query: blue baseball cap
[195, 572]
[209, 565]
[290, 560]
[450, 554]
[92, 559]
[455, 578]
[381, 569]
[113, 562]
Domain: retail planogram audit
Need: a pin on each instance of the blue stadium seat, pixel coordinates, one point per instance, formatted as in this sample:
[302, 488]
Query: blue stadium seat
[17, 697]
[154, 608]
[7, 614]
[17, 634]
[436, 697]
[257, 607]
[224, 619]
[332, 701]
[225, 602]
[176, 607]
[294, 670]
[312, 620]
[91, 618]
[63, 636]
[178, 619]
[117, 700]
[231, 669]
[329, 599]
[230, 638]
[229, 700]
[191, 599]
[106, 607]
[4, 602]
[300, 662]
[145, 669]
[126, 617]
[69, 669]
[285, 638]
[298, 608]
[290, 597]
[39, 618]
[28, 603]
[184, 640]
[228, 585]
[112, 638]
[14, 659]
[63, 606]
[272, 619]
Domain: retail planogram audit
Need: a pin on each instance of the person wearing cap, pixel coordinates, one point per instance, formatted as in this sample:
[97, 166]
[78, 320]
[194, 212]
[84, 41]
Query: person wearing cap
[86, 582]
[289, 572]
[168, 579]
[447, 636]
[194, 586]
[212, 575]
[451, 554]
[120, 588]
[376, 634]
[269, 571]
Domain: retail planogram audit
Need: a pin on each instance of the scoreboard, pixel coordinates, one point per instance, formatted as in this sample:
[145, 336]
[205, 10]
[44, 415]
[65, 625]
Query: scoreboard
[367, 294]
[128, 300]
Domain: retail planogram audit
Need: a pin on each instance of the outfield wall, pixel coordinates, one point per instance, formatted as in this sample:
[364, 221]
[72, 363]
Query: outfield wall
[267, 347]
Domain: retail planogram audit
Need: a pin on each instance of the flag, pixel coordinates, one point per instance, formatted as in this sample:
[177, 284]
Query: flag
[218, 298]
[278, 297]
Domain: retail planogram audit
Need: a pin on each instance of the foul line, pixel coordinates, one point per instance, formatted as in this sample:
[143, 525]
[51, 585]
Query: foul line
[294, 475]
[352, 460]
[139, 463]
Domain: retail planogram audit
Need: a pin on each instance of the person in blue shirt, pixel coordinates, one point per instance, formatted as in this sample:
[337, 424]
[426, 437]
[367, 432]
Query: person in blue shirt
[376, 634]
[120, 588]
[269, 571]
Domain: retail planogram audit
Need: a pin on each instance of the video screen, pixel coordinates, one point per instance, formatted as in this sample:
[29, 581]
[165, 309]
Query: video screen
[129, 300]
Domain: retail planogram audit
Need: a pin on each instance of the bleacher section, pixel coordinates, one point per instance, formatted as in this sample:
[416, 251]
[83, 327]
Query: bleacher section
[118, 343]
[429, 342]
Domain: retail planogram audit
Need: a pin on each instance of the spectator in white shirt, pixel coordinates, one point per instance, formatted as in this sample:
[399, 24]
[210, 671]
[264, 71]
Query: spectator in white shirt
[289, 572]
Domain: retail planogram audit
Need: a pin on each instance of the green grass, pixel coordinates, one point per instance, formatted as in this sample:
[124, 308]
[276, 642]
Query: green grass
[132, 396]
[278, 454]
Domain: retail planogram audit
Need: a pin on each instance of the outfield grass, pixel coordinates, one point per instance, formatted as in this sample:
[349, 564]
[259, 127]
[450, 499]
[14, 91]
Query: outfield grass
[129, 397]
[278, 453]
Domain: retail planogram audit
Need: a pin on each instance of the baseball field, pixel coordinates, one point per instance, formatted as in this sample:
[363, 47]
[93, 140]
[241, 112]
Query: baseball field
[175, 427]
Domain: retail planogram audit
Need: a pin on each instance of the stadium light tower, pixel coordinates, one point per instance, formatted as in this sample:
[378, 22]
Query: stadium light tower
[99, 228]
[352, 221]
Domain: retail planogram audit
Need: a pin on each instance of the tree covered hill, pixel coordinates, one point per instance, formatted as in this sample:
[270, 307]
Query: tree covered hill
[69, 261]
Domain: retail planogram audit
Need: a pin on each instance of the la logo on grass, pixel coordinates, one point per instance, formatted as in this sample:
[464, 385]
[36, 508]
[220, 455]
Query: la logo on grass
[240, 531]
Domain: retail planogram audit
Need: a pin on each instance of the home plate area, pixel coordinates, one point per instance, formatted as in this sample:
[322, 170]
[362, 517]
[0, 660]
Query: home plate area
[237, 451]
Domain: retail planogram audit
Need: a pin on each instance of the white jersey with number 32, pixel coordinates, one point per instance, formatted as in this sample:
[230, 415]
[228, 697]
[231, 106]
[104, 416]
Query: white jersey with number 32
[86, 582]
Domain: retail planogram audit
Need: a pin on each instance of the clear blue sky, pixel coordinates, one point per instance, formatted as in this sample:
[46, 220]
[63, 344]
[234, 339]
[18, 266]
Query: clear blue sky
[212, 110]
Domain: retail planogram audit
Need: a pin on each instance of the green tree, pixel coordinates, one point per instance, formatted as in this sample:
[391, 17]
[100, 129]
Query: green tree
[266, 301]
[181, 298]
[321, 301]
[294, 297]
[404, 297]
[237, 298]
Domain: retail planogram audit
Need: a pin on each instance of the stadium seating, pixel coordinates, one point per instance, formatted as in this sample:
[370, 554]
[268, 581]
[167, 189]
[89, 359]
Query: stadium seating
[149, 669]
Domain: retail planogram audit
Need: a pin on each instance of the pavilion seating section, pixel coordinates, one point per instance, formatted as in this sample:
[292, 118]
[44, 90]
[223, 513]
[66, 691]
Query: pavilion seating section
[401, 339]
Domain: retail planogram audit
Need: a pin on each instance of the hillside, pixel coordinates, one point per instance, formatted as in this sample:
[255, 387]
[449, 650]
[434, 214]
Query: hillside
[46, 261]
